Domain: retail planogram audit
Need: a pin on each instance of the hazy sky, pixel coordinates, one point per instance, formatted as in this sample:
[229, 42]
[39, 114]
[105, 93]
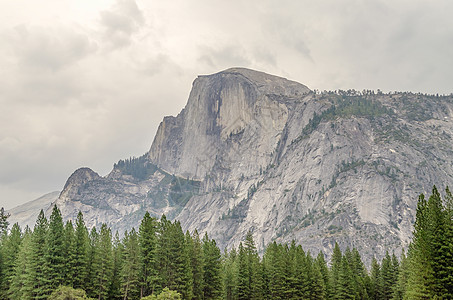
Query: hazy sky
[87, 82]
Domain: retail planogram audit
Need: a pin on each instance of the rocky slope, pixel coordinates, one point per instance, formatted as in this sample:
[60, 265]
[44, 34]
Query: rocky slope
[26, 214]
[251, 151]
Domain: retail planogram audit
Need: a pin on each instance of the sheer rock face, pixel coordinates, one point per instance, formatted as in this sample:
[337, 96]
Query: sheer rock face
[220, 108]
[248, 152]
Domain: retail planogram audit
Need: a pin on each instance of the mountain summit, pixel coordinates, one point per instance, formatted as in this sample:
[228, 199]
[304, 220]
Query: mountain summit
[260, 153]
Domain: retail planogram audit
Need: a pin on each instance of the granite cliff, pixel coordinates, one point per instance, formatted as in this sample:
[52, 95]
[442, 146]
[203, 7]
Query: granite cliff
[252, 151]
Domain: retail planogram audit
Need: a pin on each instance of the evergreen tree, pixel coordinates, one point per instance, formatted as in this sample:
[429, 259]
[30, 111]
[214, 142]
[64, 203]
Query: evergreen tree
[81, 258]
[230, 275]
[298, 272]
[149, 277]
[3, 222]
[250, 277]
[275, 271]
[243, 287]
[316, 283]
[55, 252]
[20, 288]
[295, 266]
[115, 290]
[69, 248]
[10, 249]
[131, 266]
[212, 287]
[403, 274]
[104, 258]
[336, 268]
[322, 265]
[376, 284]
[421, 274]
[345, 283]
[387, 277]
[360, 275]
[92, 263]
[195, 250]
[36, 279]
[174, 262]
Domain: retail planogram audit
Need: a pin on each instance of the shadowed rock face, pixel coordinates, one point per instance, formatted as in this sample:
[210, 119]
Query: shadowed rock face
[251, 151]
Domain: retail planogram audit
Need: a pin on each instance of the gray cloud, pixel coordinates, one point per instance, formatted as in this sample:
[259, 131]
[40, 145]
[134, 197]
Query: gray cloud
[82, 89]
[121, 21]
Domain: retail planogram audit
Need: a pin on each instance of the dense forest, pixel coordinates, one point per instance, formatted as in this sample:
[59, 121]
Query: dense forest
[159, 261]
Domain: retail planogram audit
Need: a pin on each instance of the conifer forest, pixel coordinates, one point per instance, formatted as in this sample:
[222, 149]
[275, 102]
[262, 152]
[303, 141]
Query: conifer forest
[159, 261]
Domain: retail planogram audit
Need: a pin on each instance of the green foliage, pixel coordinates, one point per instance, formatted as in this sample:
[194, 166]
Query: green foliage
[431, 253]
[166, 294]
[131, 266]
[55, 253]
[104, 256]
[138, 167]
[81, 258]
[149, 277]
[70, 254]
[10, 250]
[160, 262]
[212, 267]
[196, 255]
[68, 293]
[19, 287]
[345, 107]
[37, 278]
[3, 222]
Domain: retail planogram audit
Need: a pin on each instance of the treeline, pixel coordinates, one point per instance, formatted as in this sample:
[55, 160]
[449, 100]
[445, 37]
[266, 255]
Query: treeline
[160, 258]
[138, 167]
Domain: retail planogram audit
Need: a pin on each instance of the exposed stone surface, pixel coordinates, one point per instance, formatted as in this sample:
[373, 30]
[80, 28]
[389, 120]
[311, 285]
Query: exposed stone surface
[26, 214]
[251, 151]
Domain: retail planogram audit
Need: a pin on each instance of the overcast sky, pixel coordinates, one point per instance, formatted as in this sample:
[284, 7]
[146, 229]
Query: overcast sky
[87, 82]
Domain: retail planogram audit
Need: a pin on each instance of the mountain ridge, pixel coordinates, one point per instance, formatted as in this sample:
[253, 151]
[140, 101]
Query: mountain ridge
[255, 152]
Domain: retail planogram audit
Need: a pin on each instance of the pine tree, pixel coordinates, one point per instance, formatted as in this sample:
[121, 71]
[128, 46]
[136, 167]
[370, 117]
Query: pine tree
[421, 274]
[20, 288]
[387, 277]
[212, 287]
[316, 283]
[345, 283]
[324, 270]
[360, 275]
[55, 252]
[10, 250]
[104, 273]
[249, 277]
[131, 266]
[149, 276]
[174, 262]
[69, 248]
[336, 268]
[3, 222]
[376, 284]
[275, 270]
[115, 290]
[81, 259]
[298, 281]
[195, 250]
[403, 274]
[36, 280]
[295, 266]
[230, 275]
[92, 266]
[447, 247]
[243, 287]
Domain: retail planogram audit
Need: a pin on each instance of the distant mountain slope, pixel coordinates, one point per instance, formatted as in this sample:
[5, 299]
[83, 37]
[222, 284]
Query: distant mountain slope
[252, 151]
[26, 214]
